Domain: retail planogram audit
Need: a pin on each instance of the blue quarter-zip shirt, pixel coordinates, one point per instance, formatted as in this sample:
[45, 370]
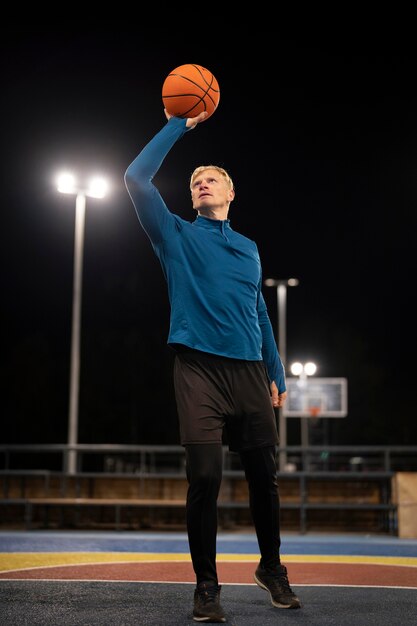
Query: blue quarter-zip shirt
[213, 273]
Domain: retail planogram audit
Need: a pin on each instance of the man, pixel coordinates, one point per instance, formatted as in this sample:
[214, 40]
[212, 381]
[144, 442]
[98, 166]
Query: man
[227, 371]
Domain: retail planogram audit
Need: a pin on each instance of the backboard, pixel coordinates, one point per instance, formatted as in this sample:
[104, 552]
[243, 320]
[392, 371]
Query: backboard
[316, 397]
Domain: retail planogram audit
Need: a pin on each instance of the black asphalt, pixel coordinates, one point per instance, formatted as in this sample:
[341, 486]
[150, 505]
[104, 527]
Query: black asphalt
[73, 603]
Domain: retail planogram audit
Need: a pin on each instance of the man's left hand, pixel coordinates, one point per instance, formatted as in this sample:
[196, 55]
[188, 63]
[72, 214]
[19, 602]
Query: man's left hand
[278, 399]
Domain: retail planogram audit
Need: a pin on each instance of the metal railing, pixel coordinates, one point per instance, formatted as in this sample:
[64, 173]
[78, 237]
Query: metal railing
[368, 466]
[124, 458]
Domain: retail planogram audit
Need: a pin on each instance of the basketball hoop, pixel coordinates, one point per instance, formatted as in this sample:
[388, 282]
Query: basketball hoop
[319, 397]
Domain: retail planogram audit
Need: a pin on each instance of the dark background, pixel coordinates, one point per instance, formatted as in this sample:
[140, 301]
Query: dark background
[320, 142]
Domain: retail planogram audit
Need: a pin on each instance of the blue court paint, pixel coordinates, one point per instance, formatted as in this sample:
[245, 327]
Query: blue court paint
[230, 543]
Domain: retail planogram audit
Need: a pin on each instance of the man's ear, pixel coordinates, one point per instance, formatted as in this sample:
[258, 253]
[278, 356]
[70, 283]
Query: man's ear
[231, 195]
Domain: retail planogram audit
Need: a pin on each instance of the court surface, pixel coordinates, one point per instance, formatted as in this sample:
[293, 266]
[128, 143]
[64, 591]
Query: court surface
[124, 578]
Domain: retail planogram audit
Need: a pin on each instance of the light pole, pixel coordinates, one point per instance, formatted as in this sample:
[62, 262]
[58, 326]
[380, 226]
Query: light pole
[281, 287]
[96, 189]
[303, 370]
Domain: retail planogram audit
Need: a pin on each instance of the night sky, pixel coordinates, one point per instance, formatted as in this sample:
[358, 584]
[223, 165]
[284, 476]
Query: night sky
[321, 144]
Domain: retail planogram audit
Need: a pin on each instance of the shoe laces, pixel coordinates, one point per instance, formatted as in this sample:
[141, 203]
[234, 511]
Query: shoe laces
[280, 580]
[208, 593]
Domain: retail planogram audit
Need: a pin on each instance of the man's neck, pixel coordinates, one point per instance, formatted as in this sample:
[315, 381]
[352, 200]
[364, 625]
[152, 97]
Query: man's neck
[219, 213]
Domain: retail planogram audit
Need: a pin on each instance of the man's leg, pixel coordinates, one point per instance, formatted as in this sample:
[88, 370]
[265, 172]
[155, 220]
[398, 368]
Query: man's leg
[271, 575]
[261, 473]
[204, 475]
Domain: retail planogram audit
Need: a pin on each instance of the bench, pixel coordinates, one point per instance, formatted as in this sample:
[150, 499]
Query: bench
[76, 503]
[307, 494]
[118, 504]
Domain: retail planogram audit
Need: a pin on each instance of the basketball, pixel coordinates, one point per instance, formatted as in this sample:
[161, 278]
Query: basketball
[190, 89]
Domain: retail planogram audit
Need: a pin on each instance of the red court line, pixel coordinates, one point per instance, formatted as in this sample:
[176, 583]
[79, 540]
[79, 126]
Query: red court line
[299, 573]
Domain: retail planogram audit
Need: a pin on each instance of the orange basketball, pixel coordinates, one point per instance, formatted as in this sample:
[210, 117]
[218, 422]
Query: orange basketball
[190, 89]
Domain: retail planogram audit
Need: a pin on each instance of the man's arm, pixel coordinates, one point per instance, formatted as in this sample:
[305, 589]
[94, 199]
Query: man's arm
[151, 210]
[271, 355]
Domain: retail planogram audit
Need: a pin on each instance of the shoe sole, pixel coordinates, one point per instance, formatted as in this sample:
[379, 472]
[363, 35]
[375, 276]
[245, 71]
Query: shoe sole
[296, 605]
[219, 620]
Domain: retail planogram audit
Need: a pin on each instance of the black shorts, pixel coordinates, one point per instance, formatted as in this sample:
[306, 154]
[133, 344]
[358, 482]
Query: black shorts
[214, 393]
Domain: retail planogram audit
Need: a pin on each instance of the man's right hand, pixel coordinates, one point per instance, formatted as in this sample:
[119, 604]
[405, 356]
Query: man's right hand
[191, 121]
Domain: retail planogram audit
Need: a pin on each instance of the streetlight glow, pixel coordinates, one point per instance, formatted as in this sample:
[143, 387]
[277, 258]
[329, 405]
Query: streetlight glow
[287, 282]
[303, 369]
[97, 189]
[296, 368]
[293, 282]
[310, 368]
[66, 183]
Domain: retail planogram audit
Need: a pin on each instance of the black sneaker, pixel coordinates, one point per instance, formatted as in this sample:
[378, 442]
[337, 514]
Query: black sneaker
[207, 603]
[276, 583]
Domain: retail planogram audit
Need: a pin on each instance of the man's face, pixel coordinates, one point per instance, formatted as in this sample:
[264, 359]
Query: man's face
[210, 190]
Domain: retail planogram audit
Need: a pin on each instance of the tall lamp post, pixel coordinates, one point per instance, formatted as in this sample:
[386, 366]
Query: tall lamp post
[281, 287]
[97, 188]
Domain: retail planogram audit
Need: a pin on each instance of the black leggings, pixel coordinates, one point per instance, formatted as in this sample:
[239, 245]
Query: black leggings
[204, 474]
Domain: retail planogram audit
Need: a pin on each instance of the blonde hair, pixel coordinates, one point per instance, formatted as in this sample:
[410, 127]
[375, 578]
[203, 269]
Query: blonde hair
[218, 169]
